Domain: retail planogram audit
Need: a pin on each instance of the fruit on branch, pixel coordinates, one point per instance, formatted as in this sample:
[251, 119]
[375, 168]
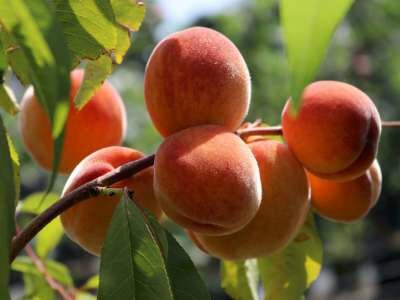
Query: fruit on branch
[207, 180]
[100, 123]
[336, 132]
[346, 201]
[195, 77]
[284, 206]
[87, 222]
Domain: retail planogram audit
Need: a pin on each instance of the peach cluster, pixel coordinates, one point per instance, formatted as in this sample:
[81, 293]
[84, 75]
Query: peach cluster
[236, 198]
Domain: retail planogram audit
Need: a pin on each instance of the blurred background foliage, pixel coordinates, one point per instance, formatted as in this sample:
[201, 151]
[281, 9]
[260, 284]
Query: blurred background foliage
[361, 260]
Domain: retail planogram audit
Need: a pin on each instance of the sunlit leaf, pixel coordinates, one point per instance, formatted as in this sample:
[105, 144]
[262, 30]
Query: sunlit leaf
[92, 283]
[38, 53]
[95, 73]
[51, 234]
[7, 100]
[55, 269]
[104, 42]
[308, 27]
[8, 198]
[240, 279]
[36, 288]
[289, 273]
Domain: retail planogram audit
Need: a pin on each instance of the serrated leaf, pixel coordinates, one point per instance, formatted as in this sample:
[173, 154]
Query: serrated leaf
[307, 29]
[8, 199]
[131, 264]
[289, 273]
[185, 281]
[51, 234]
[56, 270]
[96, 72]
[128, 13]
[104, 42]
[7, 100]
[240, 279]
[141, 260]
[87, 39]
[38, 54]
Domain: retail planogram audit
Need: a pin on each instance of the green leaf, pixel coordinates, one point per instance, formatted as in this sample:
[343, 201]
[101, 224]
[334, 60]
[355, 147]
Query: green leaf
[92, 283]
[104, 42]
[95, 73]
[8, 101]
[85, 296]
[307, 29]
[289, 273]
[36, 288]
[185, 281]
[140, 260]
[131, 263]
[240, 279]
[8, 198]
[51, 234]
[39, 55]
[108, 35]
[55, 269]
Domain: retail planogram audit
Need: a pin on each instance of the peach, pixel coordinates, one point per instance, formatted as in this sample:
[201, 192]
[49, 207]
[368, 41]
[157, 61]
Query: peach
[346, 201]
[284, 206]
[207, 180]
[87, 222]
[195, 77]
[336, 132]
[101, 123]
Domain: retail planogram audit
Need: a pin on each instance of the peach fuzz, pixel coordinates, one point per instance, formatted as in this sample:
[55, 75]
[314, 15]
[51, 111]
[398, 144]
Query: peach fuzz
[100, 123]
[207, 180]
[87, 222]
[195, 77]
[284, 206]
[346, 201]
[336, 132]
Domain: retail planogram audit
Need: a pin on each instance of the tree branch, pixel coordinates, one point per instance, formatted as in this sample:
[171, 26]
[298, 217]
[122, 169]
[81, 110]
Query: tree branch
[91, 189]
[273, 130]
[390, 123]
[87, 190]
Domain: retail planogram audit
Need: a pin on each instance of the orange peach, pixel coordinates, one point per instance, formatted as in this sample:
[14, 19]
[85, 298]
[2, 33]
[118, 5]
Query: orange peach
[207, 180]
[284, 206]
[87, 222]
[346, 201]
[336, 132]
[101, 123]
[195, 77]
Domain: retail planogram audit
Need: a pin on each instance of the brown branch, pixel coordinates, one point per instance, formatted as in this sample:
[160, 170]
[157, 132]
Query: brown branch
[90, 189]
[390, 123]
[273, 130]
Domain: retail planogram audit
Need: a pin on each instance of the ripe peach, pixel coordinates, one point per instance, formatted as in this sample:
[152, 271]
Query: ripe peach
[101, 123]
[346, 201]
[284, 206]
[336, 132]
[87, 222]
[195, 77]
[207, 180]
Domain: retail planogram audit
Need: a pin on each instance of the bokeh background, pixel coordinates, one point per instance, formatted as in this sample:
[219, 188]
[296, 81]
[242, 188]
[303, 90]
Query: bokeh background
[361, 260]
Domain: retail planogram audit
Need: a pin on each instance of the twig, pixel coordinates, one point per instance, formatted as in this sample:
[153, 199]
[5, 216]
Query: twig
[55, 285]
[390, 123]
[273, 130]
[85, 191]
